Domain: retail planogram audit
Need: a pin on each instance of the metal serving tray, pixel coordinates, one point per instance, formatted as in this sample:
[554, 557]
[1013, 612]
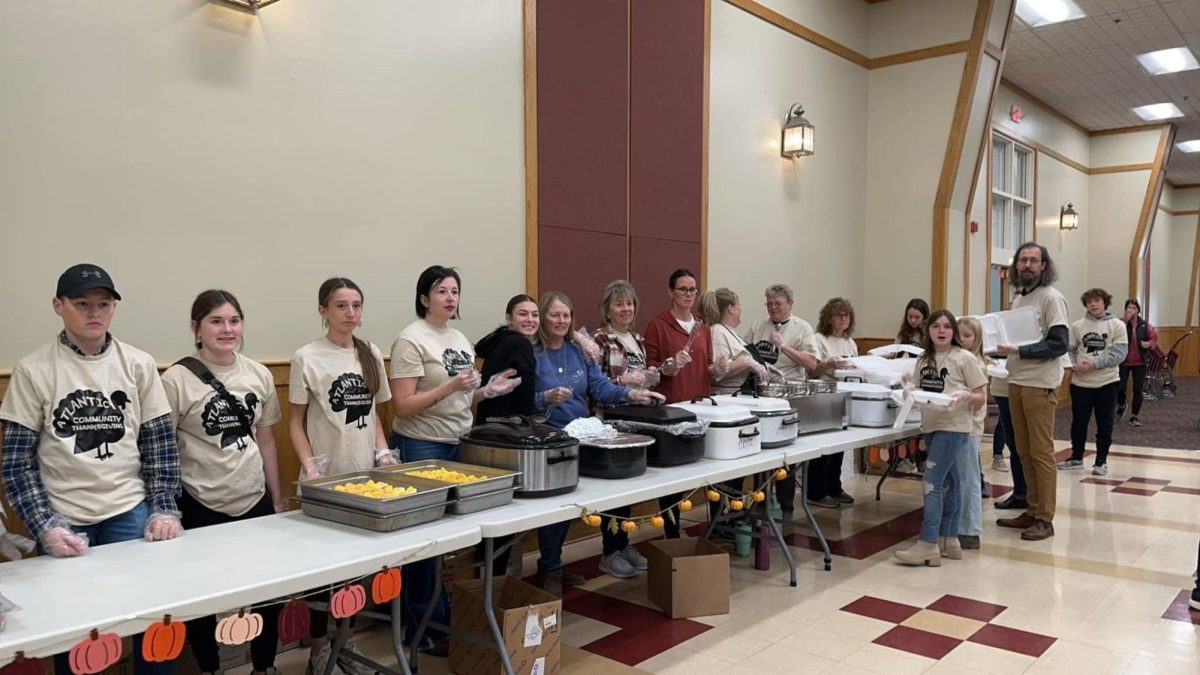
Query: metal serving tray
[497, 479]
[389, 523]
[482, 502]
[428, 492]
[621, 440]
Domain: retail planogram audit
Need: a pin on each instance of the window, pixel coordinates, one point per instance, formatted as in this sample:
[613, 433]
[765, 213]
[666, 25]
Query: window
[1012, 196]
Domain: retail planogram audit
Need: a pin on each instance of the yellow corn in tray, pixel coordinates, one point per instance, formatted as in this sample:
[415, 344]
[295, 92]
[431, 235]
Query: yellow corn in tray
[445, 475]
[374, 489]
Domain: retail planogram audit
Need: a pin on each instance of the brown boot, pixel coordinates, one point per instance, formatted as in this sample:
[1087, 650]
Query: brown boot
[1041, 529]
[1021, 522]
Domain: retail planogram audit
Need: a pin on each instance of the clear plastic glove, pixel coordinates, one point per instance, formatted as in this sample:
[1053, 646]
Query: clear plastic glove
[719, 367]
[591, 350]
[646, 397]
[633, 378]
[385, 457]
[61, 542]
[467, 380]
[651, 377]
[759, 370]
[556, 395]
[501, 383]
[314, 467]
[777, 338]
[163, 526]
[960, 398]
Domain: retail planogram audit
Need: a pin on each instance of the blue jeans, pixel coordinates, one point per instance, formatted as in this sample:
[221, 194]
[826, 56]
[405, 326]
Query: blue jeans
[941, 484]
[966, 471]
[1009, 439]
[420, 577]
[124, 527]
[550, 545]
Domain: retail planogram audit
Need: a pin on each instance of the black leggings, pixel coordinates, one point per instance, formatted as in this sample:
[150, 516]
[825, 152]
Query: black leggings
[1139, 380]
[1100, 402]
[616, 542]
[825, 477]
[201, 633]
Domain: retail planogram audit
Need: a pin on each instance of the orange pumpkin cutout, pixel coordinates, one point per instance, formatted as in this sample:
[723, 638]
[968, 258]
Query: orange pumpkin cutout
[294, 622]
[94, 653]
[239, 628]
[23, 666]
[348, 601]
[385, 587]
[163, 641]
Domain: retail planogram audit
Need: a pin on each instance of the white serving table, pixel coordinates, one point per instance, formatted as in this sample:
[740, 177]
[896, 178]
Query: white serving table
[125, 587]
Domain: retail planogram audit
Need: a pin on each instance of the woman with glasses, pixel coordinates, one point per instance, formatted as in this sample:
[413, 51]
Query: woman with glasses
[834, 345]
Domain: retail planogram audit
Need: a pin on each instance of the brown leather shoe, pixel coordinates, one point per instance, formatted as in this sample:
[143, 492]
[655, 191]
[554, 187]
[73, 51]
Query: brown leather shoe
[1021, 522]
[1040, 530]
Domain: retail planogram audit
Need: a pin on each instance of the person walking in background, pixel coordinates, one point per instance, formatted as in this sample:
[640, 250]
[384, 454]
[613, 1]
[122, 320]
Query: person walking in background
[1098, 346]
[1143, 340]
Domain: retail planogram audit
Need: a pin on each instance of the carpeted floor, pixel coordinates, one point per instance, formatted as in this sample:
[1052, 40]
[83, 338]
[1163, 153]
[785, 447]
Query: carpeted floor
[1166, 423]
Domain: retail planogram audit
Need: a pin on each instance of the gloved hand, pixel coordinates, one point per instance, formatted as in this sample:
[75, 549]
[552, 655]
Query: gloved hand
[556, 395]
[61, 542]
[960, 398]
[646, 396]
[777, 338]
[314, 467]
[501, 383]
[719, 367]
[759, 370]
[466, 380]
[385, 457]
[591, 350]
[651, 377]
[162, 526]
[633, 378]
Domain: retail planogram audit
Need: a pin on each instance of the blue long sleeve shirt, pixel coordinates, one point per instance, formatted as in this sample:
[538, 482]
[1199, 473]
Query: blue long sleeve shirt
[566, 367]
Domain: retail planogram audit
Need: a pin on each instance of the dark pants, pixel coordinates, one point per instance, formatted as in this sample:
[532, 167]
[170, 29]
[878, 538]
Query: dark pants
[670, 522]
[419, 578]
[1139, 380]
[1010, 439]
[1101, 402]
[785, 490]
[201, 633]
[551, 539]
[615, 542]
[825, 476]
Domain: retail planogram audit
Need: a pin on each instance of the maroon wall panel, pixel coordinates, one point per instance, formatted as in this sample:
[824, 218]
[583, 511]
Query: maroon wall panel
[580, 264]
[583, 114]
[651, 262]
[666, 118]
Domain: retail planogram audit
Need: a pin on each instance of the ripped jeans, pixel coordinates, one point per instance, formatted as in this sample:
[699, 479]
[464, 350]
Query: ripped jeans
[940, 483]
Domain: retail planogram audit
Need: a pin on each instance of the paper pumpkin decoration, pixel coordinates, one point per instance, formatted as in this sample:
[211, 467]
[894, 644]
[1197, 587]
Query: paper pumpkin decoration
[163, 640]
[239, 628]
[94, 653]
[385, 587]
[294, 622]
[348, 601]
[21, 665]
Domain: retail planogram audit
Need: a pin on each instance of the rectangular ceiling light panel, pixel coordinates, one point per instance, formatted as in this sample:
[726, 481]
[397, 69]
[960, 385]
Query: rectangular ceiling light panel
[1037, 13]
[1166, 61]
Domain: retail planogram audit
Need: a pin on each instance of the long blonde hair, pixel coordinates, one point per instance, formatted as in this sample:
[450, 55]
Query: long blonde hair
[714, 303]
[972, 324]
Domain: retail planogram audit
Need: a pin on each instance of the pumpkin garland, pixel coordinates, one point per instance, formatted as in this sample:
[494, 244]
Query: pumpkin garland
[163, 641]
[385, 587]
[348, 601]
[95, 653]
[23, 665]
[294, 622]
[239, 628]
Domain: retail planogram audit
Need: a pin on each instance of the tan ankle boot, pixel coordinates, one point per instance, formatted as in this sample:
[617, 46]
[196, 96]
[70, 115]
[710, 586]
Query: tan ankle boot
[921, 553]
[950, 548]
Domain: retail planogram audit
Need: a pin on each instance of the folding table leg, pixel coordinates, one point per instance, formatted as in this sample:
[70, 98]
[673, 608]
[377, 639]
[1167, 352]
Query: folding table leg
[778, 533]
[415, 647]
[340, 637]
[812, 521]
[398, 637]
[489, 556]
[893, 460]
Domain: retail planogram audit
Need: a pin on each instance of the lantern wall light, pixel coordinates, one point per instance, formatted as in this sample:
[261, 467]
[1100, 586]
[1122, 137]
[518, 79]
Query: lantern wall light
[1068, 218]
[796, 139]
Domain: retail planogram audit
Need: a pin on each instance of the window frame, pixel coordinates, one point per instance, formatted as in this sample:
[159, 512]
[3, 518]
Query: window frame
[1004, 237]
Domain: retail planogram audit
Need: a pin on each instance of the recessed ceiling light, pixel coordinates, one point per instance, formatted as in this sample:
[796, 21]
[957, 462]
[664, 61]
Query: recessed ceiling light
[1189, 146]
[1045, 12]
[1158, 111]
[1168, 61]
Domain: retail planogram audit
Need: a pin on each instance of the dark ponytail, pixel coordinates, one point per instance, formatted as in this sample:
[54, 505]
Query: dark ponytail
[366, 358]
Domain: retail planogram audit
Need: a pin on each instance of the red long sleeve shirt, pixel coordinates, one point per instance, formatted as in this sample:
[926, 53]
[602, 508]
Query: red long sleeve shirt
[664, 337]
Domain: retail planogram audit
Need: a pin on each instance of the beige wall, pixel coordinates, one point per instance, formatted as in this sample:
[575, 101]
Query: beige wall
[841, 21]
[771, 219]
[1172, 245]
[185, 145]
[904, 25]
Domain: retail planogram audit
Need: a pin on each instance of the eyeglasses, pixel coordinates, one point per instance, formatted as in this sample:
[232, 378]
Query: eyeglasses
[1028, 261]
[690, 290]
[774, 304]
[841, 315]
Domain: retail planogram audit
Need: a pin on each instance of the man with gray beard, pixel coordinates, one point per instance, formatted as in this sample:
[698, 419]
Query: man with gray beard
[1034, 374]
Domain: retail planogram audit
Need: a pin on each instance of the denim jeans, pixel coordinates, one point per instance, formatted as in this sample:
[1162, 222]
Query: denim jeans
[940, 484]
[966, 471]
[124, 527]
[1010, 439]
[550, 545]
[420, 577]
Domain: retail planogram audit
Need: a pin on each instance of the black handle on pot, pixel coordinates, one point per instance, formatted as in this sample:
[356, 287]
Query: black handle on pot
[752, 434]
[562, 458]
[788, 423]
[704, 398]
[753, 394]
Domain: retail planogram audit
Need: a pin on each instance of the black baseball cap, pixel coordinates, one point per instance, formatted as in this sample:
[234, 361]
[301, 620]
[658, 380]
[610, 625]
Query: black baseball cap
[81, 278]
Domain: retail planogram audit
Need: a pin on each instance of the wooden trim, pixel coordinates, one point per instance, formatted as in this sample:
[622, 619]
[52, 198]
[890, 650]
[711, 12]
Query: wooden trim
[953, 155]
[995, 52]
[531, 149]
[1033, 234]
[1121, 168]
[1091, 171]
[987, 257]
[1195, 275]
[1048, 108]
[1126, 130]
[919, 54]
[1172, 212]
[704, 144]
[1184, 187]
[1146, 220]
[803, 32]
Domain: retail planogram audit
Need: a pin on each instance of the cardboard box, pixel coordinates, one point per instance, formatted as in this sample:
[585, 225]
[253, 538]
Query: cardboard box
[688, 577]
[530, 620]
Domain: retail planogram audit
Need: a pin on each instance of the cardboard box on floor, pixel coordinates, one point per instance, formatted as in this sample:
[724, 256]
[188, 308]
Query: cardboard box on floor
[688, 577]
[530, 620]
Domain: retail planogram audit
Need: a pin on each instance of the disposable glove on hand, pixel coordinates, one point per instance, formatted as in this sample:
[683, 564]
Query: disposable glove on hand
[385, 457]
[501, 383]
[163, 526]
[960, 398]
[61, 542]
[591, 350]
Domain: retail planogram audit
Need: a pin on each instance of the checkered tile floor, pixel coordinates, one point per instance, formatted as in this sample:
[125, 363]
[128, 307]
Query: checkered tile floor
[1143, 487]
[1181, 611]
[934, 631]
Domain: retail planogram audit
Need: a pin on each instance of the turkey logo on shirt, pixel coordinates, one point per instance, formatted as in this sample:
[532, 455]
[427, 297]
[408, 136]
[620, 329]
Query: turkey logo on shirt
[348, 392]
[933, 379]
[457, 361]
[220, 419]
[1094, 343]
[768, 351]
[93, 419]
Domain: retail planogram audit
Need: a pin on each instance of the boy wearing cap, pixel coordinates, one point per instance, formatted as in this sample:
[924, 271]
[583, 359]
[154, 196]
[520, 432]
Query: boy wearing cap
[89, 451]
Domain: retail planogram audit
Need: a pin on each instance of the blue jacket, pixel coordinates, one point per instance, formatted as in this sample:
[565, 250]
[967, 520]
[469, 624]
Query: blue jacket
[566, 367]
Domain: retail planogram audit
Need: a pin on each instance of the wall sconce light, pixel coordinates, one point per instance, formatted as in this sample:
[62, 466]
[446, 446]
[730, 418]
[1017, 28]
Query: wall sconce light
[797, 137]
[1068, 219]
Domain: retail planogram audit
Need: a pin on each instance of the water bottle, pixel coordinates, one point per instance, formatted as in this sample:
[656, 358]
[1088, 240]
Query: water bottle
[741, 539]
[762, 549]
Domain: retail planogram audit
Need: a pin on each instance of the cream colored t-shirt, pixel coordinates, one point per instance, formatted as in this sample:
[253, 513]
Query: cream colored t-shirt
[1091, 339]
[797, 334]
[998, 386]
[87, 410]
[635, 356]
[340, 420]
[222, 467]
[729, 344]
[980, 418]
[434, 355]
[1052, 311]
[834, 347]
[951, 371]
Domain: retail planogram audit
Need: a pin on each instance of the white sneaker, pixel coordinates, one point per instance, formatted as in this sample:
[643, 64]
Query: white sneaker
[316, 664]
[635, 558]
[1100, 470]
[1000, 464]
[617, 566]
[906, 466]
[354, 667]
